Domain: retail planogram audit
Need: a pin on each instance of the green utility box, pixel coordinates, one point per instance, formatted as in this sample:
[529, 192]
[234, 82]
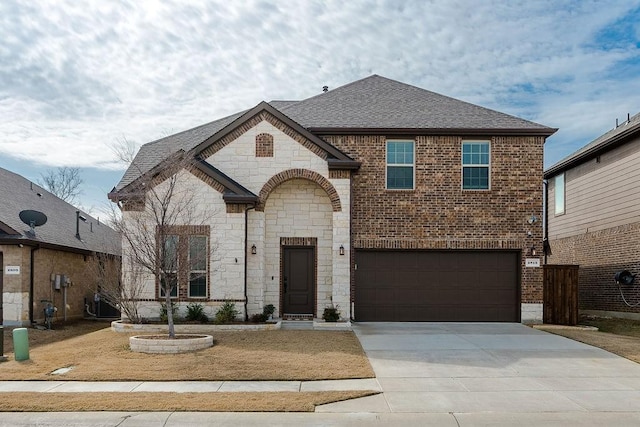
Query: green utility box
[21, 344]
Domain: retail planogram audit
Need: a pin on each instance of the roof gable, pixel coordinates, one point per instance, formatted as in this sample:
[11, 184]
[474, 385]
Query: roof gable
[265, 111]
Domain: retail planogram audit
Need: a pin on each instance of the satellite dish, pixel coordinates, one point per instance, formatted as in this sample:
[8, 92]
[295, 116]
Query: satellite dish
[33, 218]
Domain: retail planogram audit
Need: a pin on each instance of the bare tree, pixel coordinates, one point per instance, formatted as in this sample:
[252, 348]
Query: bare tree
[64, 182]
[157, 209]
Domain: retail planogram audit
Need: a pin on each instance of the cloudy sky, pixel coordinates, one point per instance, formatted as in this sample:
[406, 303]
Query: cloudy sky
[78, 77]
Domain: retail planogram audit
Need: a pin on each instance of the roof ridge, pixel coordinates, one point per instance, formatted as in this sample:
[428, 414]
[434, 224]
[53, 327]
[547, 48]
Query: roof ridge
[338, 88]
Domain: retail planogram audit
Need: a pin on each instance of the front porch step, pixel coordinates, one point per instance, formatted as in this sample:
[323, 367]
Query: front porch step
[296, 324]
[288, 316]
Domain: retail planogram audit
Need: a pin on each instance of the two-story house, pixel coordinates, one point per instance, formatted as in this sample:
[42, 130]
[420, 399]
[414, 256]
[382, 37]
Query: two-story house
[593, 215]
[390, 201]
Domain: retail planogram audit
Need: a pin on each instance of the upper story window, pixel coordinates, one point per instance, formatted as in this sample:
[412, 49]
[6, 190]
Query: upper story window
[559, 194]
[475, 165]
[400, 165]
[264, 145]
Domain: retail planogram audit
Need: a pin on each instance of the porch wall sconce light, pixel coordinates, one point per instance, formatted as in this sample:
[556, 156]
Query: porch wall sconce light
[254, 250]
[532, 250]
[341, 249]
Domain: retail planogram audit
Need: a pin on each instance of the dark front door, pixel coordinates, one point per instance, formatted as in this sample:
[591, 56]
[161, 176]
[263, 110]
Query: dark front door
[297, 280]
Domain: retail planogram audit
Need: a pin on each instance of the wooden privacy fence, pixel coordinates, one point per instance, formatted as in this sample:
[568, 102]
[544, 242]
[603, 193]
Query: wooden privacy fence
[560, 294]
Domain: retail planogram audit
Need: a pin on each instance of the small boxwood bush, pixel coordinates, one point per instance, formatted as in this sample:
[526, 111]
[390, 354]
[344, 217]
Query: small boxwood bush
[227, 313]
[195, 313]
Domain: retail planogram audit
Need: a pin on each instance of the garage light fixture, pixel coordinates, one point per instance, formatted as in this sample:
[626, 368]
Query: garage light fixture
[254, 250]
[532, 250]
[341, 250]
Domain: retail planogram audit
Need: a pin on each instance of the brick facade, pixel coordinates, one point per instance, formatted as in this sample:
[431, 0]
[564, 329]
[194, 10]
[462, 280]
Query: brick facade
[438, 213]
[264, 145]
[79, 268]
[600, 254]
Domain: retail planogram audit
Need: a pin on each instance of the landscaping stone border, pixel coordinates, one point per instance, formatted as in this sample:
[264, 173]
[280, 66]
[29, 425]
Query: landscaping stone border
[119, 326]
[163, 345]
[331, 326]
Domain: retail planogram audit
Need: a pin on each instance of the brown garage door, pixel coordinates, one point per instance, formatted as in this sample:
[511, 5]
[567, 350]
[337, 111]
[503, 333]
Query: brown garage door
[437, 286]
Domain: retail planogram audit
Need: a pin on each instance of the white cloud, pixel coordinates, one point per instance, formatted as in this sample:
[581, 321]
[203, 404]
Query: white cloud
[77, 76]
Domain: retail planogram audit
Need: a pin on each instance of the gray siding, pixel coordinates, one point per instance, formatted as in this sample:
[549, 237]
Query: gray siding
[599, 195]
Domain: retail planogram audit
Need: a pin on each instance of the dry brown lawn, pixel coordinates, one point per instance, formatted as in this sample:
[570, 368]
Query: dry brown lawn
[104, 355]
[61, 331]
[99, 354]
[203, 402]
[618, 336]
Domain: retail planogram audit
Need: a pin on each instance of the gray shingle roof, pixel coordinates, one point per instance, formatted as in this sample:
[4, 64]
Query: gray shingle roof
[598, 145]
[152, 153]
[378, 102]
[18, 193]
[374, 102]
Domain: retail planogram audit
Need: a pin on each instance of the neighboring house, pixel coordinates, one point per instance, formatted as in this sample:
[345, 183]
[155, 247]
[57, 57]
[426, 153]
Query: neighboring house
[392, 202]
[593, 215]
[54, 261]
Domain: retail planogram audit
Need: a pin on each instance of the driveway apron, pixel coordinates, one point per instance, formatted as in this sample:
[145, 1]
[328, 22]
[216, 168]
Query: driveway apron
[490, 367]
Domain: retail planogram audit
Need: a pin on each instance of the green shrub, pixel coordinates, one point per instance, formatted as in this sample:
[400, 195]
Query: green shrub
[195, 312]
[259, 318]
[331, 314]
[268, 310]
[227, 313]
[163, 311]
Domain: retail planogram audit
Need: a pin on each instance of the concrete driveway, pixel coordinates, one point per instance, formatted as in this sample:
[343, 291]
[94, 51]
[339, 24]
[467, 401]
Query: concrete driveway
[496, 369]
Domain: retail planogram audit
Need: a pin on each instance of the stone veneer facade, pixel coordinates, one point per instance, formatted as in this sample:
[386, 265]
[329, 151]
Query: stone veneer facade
[301, 203]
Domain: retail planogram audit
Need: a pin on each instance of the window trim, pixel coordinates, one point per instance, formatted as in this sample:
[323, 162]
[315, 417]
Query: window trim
[555, 194]
[406, 165]
[204, 272]
[183, 272]
[463, 165]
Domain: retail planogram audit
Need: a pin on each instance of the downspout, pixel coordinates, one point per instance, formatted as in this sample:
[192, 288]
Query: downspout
[246, 252]
[31, 283]
[352, 254]
[545, 220]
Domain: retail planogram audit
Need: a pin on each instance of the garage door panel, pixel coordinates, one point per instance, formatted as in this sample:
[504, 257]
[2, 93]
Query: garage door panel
[407, 279]
[437, 286]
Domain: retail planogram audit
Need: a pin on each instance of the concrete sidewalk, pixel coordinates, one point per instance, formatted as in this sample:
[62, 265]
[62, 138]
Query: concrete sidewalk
[361, 419]
[186, 386]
